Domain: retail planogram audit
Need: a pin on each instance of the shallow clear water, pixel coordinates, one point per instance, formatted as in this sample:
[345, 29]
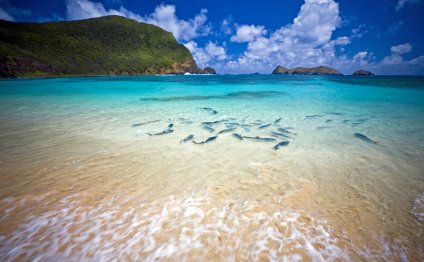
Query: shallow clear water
[81, 178]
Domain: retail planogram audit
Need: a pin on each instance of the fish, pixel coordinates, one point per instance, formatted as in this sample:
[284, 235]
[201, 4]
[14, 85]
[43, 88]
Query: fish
[265, 139]
[166, 131]
[313, 116]
[170, 126]
[238, 136]
[284, 130]
[276, 134]
[188, 138]
[365, 138]
[227, 130]
[148, 122]
[208, 128]
[322, 127]
[336, 113]
[277, 121]
[264, 126]
[213, 122]
[232, 125]
[279, 145]
[214, 112]
[209, 139]
[328, 121]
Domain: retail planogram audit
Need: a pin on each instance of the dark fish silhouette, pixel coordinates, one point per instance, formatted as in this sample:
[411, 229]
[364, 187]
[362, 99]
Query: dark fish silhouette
[214, 112]
[238, 136]
[188, 138]
[277, 121]
[276, 134]
[208, 128]
[227, 130]
[166, 131]
[313, 116]
[170, 126]
[213, 122]
[322, 127]
[365, 138]
[264, 126]
[279, 145]
[148, 122]
[232, 124]
[265, 139]
[209, 139]
[285, 130]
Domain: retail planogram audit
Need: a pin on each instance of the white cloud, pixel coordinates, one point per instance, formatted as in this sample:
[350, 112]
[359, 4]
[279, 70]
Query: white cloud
[11, 13]
[207, 56]
[248, 33]
[401, 49]
[5, 15]
[401, 3]
[305, 42]
[164, 16]
[361, 58]
[83, 9]
[226, 27]
[395, 58]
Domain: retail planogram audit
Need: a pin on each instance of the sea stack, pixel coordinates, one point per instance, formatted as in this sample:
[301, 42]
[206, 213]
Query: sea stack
[363, 73]
[209, 70]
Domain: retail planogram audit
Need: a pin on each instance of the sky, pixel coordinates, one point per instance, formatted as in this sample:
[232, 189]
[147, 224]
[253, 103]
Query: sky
[235, 36]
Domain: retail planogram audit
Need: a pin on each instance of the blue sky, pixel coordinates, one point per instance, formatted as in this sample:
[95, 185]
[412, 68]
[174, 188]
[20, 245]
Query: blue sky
[384, 36]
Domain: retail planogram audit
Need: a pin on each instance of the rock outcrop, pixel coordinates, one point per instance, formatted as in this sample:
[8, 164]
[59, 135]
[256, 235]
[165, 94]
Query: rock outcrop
[208, 70]
[319, 70]
[280, 70]
[363, 73]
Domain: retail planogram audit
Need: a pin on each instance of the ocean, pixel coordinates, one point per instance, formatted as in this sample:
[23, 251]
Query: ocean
[315, 168]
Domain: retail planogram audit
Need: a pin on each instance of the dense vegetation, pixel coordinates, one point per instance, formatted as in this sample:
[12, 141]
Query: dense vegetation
[98, 46]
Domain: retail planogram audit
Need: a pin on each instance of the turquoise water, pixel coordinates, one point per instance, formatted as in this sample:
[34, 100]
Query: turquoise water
[76, 154]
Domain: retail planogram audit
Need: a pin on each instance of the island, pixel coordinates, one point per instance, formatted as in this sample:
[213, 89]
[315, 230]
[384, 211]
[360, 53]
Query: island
[110, 45]
[363, 73]
[319, 70]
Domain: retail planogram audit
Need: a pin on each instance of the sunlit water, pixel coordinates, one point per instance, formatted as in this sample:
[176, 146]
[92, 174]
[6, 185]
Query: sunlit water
[81, 179]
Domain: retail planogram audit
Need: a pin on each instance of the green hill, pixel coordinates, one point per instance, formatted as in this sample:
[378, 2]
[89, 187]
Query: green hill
[110, 45]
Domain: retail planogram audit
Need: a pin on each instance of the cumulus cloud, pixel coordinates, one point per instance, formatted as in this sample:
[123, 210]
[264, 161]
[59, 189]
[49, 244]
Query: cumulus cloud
[401, 49]
[5, 15]
[396, 63]
[164, 16]
[248, 33]
[402, 3]
[395, 57]
[208, 55]
[305, 42]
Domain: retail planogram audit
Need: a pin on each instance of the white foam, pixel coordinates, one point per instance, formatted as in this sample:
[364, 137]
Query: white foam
[418, 208]
[191, 227]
